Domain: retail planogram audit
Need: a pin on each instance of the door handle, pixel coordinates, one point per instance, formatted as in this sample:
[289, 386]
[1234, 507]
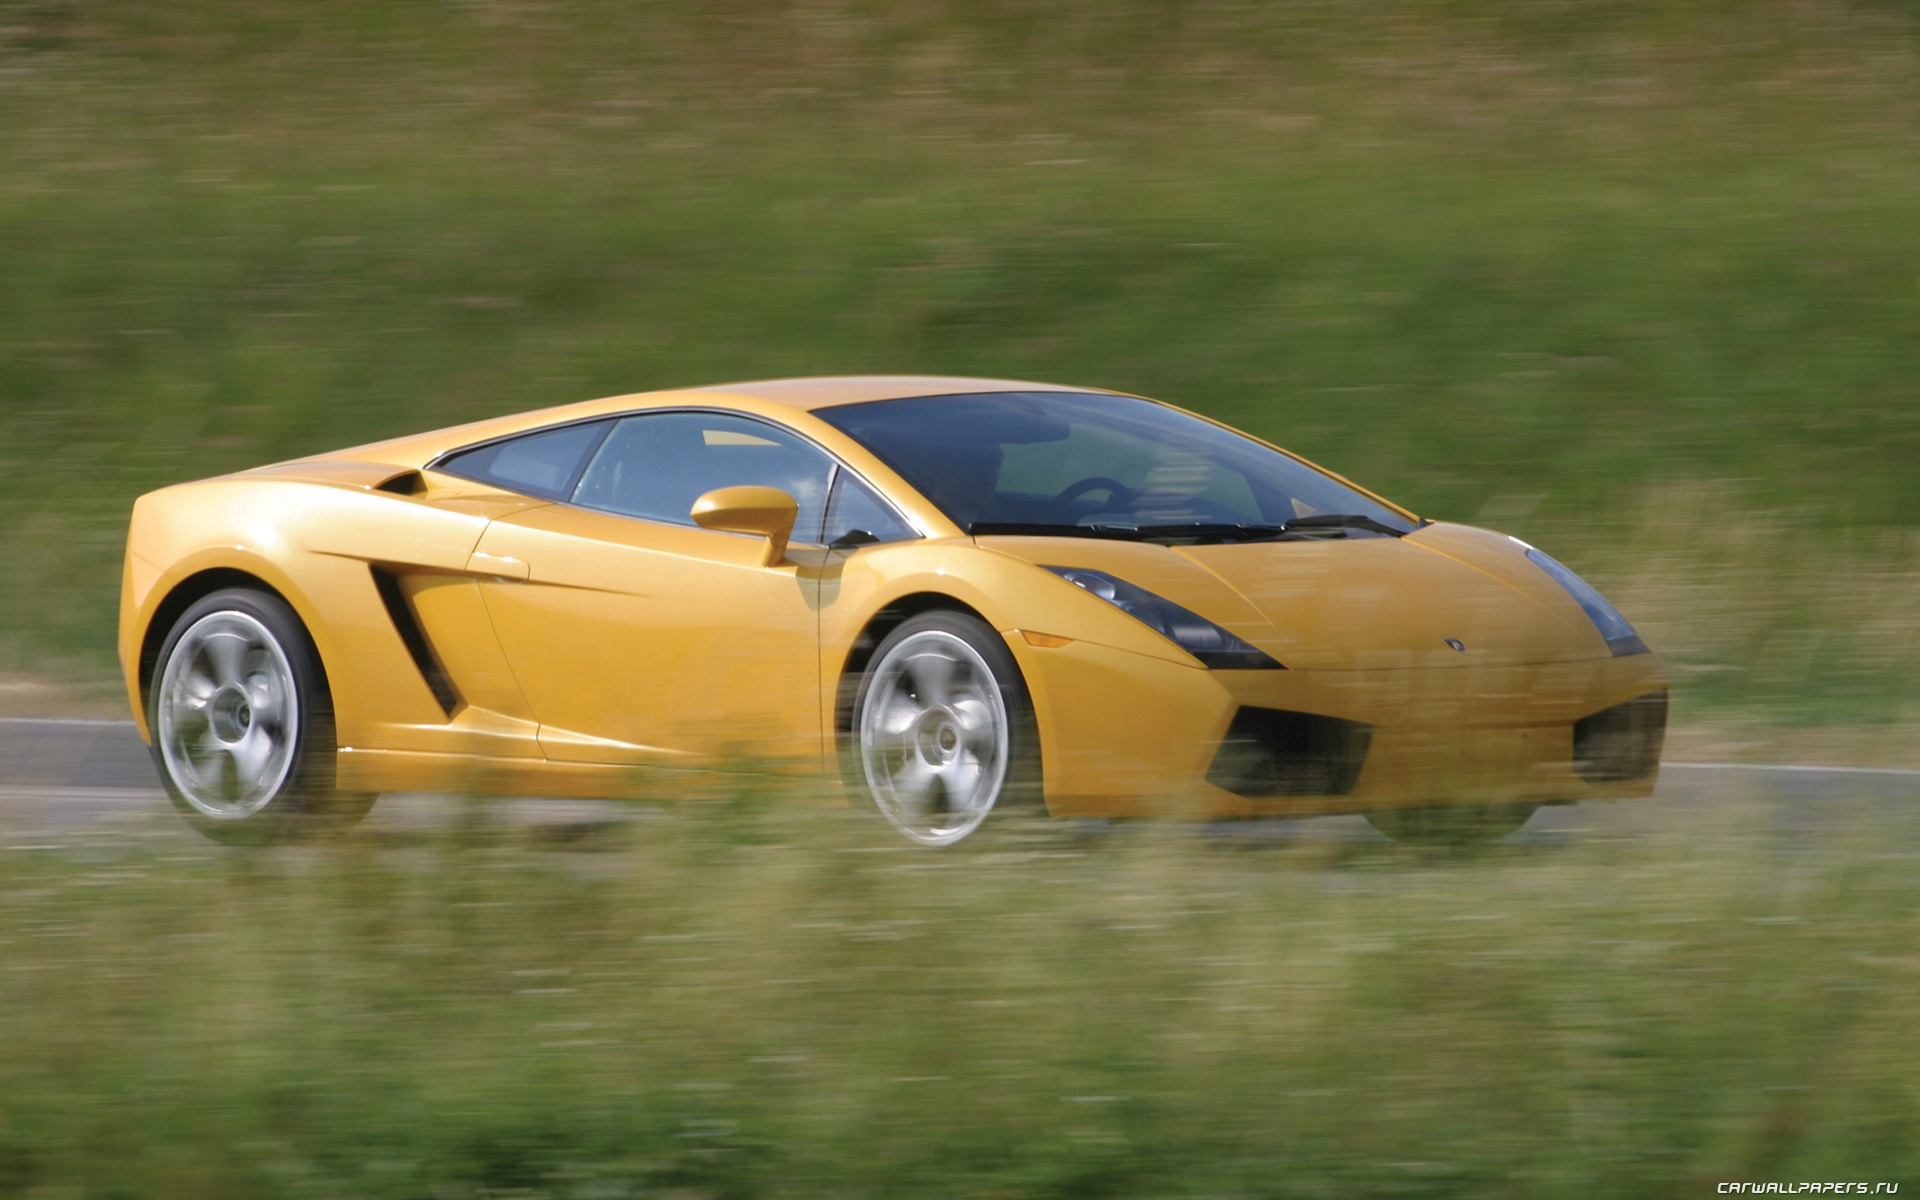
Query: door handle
[500, 566]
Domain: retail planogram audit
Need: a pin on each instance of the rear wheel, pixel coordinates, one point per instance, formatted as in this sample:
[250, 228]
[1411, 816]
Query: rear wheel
[1451, 825]
[943, 732]
[243, 726]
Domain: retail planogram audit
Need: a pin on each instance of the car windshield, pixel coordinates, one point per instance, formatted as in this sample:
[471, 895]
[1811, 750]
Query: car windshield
[1078, 462]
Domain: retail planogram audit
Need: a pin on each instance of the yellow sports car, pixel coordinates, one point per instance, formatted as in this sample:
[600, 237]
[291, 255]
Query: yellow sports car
[958, 594]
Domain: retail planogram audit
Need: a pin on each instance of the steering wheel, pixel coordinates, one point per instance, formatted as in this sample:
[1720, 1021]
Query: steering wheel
[1094, 483]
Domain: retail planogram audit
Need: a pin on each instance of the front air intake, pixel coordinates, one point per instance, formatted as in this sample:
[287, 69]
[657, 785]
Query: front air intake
[1273, 752]
[1622, 742]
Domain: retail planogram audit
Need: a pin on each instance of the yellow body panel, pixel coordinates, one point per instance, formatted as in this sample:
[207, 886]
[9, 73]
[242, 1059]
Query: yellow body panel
[645, 644]
[556, 649]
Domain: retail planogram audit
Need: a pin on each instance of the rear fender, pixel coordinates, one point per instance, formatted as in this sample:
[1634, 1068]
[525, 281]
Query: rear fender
[316, 545]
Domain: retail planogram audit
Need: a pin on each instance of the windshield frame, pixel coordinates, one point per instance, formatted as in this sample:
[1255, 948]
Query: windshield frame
[912, 473]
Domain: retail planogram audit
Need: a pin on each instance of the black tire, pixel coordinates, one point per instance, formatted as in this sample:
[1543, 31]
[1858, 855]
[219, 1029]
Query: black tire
[238, 681]
[945, 725]
[1451, 825]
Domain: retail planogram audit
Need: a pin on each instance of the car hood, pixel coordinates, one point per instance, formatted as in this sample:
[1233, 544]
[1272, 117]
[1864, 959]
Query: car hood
[1355, 604]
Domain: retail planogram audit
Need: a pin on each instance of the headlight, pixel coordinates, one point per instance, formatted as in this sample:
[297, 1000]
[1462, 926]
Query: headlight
[1621, 639]
[1186, 629]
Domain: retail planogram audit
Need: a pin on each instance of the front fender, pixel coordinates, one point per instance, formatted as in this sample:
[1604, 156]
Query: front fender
[1010, 593]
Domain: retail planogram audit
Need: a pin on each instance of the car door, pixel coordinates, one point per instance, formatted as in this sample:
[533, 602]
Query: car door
[640, 638]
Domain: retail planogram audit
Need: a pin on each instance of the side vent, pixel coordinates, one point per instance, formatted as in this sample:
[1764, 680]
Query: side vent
[415, 640]
[406, 483]
[1273, 752]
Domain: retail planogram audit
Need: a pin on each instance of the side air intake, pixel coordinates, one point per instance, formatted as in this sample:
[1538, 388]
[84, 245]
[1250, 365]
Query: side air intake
[415, 639]
[1273, 752]
[406, 483]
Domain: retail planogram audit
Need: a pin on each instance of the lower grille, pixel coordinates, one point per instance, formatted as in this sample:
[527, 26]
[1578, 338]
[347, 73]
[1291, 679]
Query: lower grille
[1622, 742]
[1273, 752]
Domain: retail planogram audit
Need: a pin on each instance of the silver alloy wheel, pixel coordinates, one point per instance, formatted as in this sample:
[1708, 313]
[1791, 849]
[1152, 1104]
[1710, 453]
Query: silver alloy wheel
[933, 737]
[228, 718]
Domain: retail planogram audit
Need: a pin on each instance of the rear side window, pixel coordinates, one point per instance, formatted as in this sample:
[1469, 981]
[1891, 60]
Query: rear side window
[540, 464]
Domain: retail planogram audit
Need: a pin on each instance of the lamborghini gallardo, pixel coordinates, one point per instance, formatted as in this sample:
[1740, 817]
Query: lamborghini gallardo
[958, 596]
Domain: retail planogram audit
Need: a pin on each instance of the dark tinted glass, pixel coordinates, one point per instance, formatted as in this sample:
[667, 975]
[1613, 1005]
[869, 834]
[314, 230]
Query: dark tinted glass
[1075, 458]
[856, 507]
[541, 464]
[656, 465]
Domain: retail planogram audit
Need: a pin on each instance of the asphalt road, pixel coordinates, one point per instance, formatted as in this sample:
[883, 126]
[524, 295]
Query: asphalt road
[61, 778]
[65, 780]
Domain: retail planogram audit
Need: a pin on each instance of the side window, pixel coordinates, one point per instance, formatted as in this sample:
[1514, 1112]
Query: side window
[540, 464]
[855, 506]
[656, 465]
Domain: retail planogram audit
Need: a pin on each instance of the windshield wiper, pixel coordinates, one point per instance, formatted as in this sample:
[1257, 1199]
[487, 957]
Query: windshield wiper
[1194, 532]
[1208, 533]
[1342, 521]
[1046, 529]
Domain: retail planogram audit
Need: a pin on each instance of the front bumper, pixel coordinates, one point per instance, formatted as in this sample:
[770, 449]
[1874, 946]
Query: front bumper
[1123, 735]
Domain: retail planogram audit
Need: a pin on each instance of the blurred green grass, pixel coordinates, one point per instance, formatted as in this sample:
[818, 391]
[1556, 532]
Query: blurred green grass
[1637, 281]
[747, 996]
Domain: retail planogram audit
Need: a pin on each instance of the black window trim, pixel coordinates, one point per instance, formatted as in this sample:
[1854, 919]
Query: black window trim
[835, 462]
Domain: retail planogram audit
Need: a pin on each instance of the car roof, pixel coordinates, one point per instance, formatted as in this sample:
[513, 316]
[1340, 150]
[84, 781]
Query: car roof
[830, 391]
[804, 394]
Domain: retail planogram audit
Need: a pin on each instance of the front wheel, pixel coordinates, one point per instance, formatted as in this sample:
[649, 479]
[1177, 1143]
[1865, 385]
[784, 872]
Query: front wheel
[1451, 825]
[243, 726]
[942, 728]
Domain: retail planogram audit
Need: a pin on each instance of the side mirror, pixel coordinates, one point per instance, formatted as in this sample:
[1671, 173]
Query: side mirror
[768, 512]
